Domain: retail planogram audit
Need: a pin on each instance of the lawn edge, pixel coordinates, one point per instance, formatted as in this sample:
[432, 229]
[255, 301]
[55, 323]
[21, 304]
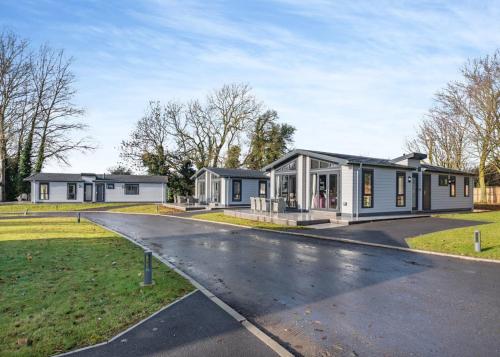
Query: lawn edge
[128, 328]
[303, 234]
[249, 326]
[347, 241]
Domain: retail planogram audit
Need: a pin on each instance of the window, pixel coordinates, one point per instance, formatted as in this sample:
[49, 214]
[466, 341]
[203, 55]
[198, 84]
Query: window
[466, 186]
[263, 189]
[443, 180]
[131, 189]
[110, 186]
[400, 189]
[43, 191]
[236, 190]
[453, 186]
[71, 193]
[291, 166]
[367, 188]
[317, 164]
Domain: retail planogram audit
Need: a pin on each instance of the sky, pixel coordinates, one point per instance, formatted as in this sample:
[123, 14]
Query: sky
[353, 77]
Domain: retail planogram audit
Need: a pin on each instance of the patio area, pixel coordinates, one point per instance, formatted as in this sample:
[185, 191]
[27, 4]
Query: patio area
[312, 218]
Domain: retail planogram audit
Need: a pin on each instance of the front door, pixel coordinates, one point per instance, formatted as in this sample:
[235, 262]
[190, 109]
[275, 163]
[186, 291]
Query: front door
[414, 191]
[99, 192]
[87, 195]
[426, 192]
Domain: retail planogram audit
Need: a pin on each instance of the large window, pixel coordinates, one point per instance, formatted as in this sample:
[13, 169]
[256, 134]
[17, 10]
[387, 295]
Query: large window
[263, 189]
[400, 189]
[131, 189]
[367, 188]
[43, 191]
[453, 186]
[443, 180]
[466, 186]
[236, 190]
[71, 192]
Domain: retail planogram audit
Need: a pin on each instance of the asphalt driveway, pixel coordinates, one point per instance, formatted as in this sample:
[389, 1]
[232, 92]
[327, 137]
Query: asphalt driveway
[320, 297]
[393, 232]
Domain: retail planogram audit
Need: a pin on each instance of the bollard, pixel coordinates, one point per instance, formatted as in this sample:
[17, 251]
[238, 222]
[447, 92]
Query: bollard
[78, 217]
[148, 268]
[477, 241]
[157, 209]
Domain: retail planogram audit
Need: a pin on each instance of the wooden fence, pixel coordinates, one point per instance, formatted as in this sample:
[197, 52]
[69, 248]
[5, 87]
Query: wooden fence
[492, 195]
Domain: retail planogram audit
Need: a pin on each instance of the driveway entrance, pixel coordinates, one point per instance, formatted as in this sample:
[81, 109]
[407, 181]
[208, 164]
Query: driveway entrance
[318, 297]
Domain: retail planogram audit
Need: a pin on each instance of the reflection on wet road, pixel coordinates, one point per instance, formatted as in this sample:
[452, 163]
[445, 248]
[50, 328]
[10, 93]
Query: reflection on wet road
[325, 298]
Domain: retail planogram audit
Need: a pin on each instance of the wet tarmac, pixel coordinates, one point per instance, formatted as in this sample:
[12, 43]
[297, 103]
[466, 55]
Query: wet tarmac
[322, 298]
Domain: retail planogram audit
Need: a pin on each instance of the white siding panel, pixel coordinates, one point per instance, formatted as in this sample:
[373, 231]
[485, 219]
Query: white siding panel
[440, 195]
[148, 192]
[384, 191]
[347, 190]
[249, 188]
[58, 192]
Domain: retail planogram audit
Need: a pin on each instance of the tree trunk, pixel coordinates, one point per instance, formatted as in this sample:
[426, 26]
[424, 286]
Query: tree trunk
[482, 180]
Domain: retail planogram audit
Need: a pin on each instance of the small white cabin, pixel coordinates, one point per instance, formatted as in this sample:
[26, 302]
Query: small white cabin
[229, 187]
[88, 187]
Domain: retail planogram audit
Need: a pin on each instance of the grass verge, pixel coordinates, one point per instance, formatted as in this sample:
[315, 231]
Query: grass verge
[55, 207]
[221, 217]
[65, 285]
[460, 240]
[146, 209]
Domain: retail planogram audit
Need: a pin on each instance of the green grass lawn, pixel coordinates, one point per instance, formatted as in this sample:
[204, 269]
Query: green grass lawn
[147, 208]
[221, 217]
[54, 207]
[460, 240]
[65, 285]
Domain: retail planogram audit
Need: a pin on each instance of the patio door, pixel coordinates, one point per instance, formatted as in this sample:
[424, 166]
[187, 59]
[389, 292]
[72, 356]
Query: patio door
[216, 191]
[287, 189]
[324, 191]
[99, 192]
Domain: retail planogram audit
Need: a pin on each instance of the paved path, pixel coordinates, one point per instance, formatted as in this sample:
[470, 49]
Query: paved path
[393, 232]
[194, 326]
[326, 298]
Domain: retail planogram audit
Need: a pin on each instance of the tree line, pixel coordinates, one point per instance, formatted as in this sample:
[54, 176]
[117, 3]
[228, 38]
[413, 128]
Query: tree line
[38, 120]
[462, 128]
[230, 127]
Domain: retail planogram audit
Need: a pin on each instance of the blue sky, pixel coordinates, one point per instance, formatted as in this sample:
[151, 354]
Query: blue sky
[352, 76]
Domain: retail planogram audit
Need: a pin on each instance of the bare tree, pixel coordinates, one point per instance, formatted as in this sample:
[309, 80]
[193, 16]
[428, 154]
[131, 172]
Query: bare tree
[148, 145]
[13, 77]
[477, 100]
[58, 114]
[463, 124]
[204, 132]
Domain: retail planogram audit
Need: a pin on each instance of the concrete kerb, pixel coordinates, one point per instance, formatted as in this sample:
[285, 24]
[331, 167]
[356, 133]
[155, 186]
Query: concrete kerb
[128, 329]
[254, 330]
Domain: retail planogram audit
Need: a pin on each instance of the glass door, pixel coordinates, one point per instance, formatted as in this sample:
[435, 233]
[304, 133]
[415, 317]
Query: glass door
[322, 190]
[332, 191]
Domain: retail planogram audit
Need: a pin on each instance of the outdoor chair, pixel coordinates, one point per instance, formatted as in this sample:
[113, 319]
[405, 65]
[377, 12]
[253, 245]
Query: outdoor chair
[263, 204]
[252, 203]
[279, 205]
[258, 206]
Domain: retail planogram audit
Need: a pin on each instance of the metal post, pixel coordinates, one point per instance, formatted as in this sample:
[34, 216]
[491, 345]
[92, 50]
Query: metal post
[148, 268]
[78, 217]
[477, 241]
